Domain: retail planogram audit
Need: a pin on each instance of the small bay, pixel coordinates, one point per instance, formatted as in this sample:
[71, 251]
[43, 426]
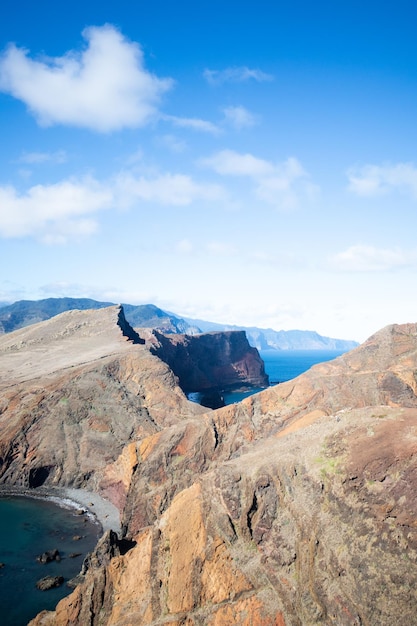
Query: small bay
[28, 528]
[282, 366]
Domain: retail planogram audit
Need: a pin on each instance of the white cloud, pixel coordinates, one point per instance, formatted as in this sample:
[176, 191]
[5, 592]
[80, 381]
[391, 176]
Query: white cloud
[231, 163]
[193, 123]
[69, 208]
[373, 180]
[235, 75]
[362, 258]
[284, 185]
[239, 117]
[280, 184]
[58, 212]
[52, 211]
[35, 158]
[105, 87]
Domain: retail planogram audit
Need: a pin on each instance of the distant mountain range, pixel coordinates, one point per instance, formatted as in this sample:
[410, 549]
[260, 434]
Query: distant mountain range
[26, 312]
[269, 339]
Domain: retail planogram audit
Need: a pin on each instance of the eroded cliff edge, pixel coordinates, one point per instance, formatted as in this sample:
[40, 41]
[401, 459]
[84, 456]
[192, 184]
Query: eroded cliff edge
[296, 506]
[215, 361]
[75, 390]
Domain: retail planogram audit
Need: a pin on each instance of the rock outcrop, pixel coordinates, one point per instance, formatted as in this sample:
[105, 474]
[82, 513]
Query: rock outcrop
[75, 391]
[49, 582]
[215, 361]
[295, 507]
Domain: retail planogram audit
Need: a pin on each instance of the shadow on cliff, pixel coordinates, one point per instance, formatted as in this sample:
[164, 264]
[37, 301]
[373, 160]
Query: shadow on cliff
[210, 363]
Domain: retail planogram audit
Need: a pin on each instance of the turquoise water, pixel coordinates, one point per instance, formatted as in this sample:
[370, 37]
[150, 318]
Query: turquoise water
[284, 365]
[29, 527]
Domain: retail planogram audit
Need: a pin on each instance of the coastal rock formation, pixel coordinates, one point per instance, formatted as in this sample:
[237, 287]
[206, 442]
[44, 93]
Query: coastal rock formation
[211, 361]
[296, 506]
[75, 390]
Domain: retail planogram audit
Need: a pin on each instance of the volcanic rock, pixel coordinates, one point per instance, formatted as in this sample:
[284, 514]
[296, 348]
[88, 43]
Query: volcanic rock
[215, 361]
[49, 582]
[75, 390]
[48, 556]
[294, 507]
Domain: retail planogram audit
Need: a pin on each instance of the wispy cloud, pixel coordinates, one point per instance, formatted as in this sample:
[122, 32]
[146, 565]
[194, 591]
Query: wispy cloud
[173, 143]
[235, 75]
[231, 163]
[239, 117]
[361, 258]
[36, 158]
[166, 189]
[193, 123]
[374, 180]
[279, 184]
[105, 87]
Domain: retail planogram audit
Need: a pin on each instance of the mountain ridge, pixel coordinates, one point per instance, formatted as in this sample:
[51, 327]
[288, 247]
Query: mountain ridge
[270, 339]
[25, 312]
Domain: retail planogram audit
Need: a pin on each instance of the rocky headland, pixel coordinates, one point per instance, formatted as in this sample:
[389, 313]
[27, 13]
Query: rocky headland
[215, 361]
[296, 506]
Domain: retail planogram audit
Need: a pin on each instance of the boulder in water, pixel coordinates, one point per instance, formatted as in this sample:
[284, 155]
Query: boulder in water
[48, 556]
[49, 582]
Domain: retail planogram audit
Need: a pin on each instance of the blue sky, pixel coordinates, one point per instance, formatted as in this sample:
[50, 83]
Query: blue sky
[251, 163]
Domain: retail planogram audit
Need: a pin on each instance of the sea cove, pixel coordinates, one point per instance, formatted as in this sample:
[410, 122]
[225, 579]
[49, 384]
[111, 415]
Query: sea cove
[28, 528]
[282, 366]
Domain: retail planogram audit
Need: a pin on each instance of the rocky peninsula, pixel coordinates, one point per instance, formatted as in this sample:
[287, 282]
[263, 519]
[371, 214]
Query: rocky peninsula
[296, 506]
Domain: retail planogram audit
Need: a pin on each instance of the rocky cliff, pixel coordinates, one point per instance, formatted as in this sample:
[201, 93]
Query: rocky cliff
[211, 361]
[75, 390]
[294, 507]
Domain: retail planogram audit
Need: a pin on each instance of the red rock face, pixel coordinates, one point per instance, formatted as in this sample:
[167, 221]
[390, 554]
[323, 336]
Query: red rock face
[297, 506]
[211, 361]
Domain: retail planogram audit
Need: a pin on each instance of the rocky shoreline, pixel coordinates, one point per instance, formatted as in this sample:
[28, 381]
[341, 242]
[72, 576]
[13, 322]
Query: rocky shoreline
[99, 511]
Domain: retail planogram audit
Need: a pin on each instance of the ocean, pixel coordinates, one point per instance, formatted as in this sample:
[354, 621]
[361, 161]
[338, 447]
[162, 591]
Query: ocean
[29, 527]
[284, 365]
